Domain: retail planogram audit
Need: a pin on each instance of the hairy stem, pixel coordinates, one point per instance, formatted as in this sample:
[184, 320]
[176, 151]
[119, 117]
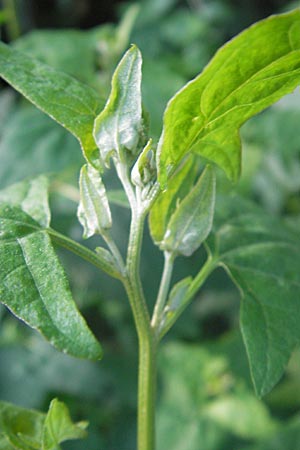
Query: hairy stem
[163, 289]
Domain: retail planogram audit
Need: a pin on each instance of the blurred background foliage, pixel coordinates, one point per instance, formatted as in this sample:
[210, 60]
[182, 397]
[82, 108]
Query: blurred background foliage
[205, 397]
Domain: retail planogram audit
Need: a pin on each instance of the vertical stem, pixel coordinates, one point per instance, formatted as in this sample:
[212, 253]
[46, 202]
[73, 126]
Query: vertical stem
[146, 394]
[13, 29]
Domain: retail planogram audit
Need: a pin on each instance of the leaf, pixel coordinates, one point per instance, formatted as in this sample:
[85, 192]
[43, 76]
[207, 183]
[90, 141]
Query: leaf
[20, 426]
[34, 287]
[29, 135]
[69, 102]
[262, 256]
[246, 75]
[191, 222]
[165, 204]
[118, 128]
[58, 426]
[31, 196]
[93, 210]
[26, 429]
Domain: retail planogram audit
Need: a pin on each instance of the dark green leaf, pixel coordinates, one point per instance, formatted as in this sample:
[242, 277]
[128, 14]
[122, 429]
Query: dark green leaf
[119, 127]
[248, 74]
[262, 256]
[93, 210]
[58, 426]
[34, 287]
[192, 220]
[164, 206]
[29, 135]
[31, 196]
[63, 98]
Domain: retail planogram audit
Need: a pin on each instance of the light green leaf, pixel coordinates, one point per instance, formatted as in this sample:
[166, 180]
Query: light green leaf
[34, 287]
[93, 210]
[192, 220]
[31, 196]
[165, 204]
[246, 75]
[262, 256]
[58, 426]
[26, 429]
[119, 127]
[69, 102]
[143, 172]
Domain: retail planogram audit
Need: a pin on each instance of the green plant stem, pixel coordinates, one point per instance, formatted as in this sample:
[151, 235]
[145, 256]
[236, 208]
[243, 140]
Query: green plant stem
[147, 343]
[84, 253]
[114, 251]
[195, 285]
[163, 289]
[13, 28]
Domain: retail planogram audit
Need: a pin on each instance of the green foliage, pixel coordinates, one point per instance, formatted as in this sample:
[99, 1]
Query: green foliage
[207, 401]
[119, 126]
[23, 429]
[228, 92]
[27, 255]
[69, 102]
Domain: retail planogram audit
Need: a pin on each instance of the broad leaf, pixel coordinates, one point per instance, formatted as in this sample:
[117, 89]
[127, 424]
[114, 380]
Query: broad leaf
[93, 210]
[29, 135]
[34, 287]
[58, 426]
[69, 102]
[119, 127]
[262, 256]
[247, 75]
[26, 429]
[165, 204]
[192, 220]
[31, 196]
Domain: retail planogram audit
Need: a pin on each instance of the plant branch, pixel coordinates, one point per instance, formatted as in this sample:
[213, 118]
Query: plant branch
[114, 251]
[209, 266]
[84, 253]
[163, 289]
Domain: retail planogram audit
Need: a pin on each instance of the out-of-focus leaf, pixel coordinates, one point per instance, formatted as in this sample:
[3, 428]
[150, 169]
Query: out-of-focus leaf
[93, 210]
[26, 429]
[262, 257]
[58, 426]
[69, 102]
[119, 127]
[34, 287]
[31, 196]
[192, 220]
[29, 135]
[205, 116]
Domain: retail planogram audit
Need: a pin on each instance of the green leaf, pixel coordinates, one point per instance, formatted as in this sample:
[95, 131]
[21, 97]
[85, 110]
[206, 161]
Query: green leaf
[58, 426]
[34, 287]
[143, 173]
[29, 135]
[192, 220]
[119, 127]
[93, 210]
[31, 196]
[19, 426]
[247, 75]
[26, 429]
[165, 204]
[69, 102]
[262, 256]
